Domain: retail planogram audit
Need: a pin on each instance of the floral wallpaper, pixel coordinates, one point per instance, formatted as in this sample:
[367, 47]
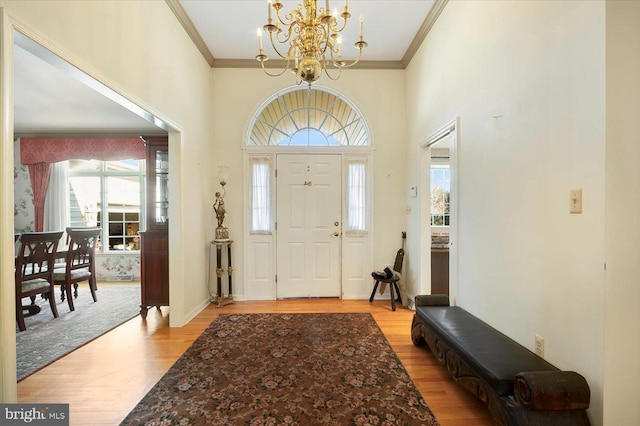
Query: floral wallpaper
[107, 265]
[23, 216]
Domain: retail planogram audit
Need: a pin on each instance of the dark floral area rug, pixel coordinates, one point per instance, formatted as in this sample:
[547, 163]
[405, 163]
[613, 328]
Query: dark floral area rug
[47, 339]
[286, 369]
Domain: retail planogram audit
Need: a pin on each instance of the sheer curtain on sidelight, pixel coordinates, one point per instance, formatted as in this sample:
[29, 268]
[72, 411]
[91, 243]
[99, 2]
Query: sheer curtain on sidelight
[56, 203]
[260, 195]
[356, 197]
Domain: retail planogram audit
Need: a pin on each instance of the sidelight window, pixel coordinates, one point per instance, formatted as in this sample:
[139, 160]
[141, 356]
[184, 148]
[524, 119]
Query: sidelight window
[260, 195]
[356, 196]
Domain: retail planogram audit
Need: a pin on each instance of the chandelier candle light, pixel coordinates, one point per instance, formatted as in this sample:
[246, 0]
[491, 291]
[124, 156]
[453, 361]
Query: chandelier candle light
[313, 38]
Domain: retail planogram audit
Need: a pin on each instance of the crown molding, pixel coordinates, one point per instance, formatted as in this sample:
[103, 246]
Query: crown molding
[252, 63]
[379, 65]
[429, 21]
[90, 134]
[188, 26]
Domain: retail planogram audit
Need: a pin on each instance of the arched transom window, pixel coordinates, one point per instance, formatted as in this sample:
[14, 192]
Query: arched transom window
[308, 117]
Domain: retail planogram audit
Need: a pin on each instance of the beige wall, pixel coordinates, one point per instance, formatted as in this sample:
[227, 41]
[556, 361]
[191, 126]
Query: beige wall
[379, 95]
[140, 49]
[527, 79]
[622, 316]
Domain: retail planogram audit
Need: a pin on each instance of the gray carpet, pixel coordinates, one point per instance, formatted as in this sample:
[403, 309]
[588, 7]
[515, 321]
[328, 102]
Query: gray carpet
[46, 339]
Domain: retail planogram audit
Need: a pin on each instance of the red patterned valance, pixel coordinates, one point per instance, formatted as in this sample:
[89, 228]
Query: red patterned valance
[52, 150]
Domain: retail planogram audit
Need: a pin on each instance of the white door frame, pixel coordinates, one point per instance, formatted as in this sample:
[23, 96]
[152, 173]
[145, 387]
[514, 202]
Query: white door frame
[8, 387]
[452, 130]
[259, 283]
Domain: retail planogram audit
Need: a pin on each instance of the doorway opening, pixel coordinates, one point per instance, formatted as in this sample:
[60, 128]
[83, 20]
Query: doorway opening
[439, 206]
[16, 42]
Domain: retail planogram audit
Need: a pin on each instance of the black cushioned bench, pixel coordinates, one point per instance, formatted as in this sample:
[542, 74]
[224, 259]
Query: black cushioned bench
[518, 387]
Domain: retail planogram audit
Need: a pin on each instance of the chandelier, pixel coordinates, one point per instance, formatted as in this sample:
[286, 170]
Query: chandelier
[311, 37]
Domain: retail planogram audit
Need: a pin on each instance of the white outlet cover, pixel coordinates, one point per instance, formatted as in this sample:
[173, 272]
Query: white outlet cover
[575, 201]
[539, 346]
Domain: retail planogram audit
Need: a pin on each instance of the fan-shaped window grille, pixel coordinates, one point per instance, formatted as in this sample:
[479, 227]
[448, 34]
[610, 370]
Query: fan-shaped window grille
[309, 117]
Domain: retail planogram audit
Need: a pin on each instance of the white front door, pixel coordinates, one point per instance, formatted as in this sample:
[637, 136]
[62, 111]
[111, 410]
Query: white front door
[308, 226]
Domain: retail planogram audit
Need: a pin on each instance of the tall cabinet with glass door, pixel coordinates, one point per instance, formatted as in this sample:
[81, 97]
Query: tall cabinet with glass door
[155, 239]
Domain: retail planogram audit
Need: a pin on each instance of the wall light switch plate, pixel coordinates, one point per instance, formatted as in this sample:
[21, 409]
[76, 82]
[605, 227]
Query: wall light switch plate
[575, 201]
[539, 346]
[413, 191]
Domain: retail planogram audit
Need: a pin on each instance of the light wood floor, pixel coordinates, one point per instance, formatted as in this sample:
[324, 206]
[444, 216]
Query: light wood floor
[103, 380]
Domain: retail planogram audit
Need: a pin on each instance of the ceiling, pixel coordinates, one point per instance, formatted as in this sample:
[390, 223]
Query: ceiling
[53, 98]
[49, 101]
[389, 26]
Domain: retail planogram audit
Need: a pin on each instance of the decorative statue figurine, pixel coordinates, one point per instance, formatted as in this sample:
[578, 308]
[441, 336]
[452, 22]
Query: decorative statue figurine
[222, 233]
[218, 207]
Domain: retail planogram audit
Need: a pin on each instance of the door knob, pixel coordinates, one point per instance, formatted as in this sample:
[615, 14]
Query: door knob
[335, 234]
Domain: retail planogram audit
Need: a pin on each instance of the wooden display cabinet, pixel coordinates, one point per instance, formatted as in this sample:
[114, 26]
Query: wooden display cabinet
[154, 258]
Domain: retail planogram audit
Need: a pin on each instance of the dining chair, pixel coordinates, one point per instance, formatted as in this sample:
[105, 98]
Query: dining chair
[60, 262]
[34, 271]
[79, 264]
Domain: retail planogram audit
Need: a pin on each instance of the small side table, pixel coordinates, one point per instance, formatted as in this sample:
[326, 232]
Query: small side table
[223, 273]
